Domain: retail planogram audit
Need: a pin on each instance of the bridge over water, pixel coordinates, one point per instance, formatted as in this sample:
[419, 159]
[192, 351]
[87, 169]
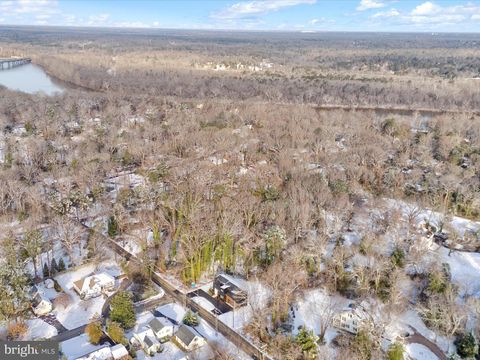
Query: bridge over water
[8, 63]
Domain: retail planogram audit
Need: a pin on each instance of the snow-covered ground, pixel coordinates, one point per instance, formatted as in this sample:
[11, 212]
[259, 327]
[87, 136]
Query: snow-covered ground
[404, 322]
[80, 312]
[39, 329]
[58, 252]
[420, 352]
[310, 309]
[170, 352]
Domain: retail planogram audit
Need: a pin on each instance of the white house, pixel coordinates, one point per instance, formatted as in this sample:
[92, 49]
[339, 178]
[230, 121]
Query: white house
[119, 352]
[352, 319]
[41, 305]
[147, 341]
[103, 353]
[188, 339]
[162, 328]
[94, 285]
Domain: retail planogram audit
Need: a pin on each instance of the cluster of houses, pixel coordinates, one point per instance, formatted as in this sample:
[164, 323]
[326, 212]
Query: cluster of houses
[160, 330]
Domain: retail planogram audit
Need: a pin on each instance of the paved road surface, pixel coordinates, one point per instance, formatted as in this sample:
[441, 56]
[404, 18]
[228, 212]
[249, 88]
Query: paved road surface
[418, 338]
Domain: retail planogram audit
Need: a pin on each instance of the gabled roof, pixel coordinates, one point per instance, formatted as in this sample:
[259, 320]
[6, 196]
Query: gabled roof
[158, 324]
[33, 291]
[185, 334]
[89, 282]
[149, 341]
[119, 351]
[37, 299]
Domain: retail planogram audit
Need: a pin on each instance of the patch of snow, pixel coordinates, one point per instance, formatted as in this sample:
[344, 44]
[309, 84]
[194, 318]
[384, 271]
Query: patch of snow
[420, 352]
[39, 329]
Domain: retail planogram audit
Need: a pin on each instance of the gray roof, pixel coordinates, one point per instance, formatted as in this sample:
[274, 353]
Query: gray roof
[37, 300]
[185, 334]
[33, 291]
[156, 325]
[149, 342]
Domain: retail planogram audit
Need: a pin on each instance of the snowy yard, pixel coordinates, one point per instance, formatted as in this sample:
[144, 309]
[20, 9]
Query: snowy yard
[80, 312]
[39, 329]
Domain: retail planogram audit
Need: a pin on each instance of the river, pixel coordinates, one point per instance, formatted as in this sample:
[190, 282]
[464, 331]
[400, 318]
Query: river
[30, 79]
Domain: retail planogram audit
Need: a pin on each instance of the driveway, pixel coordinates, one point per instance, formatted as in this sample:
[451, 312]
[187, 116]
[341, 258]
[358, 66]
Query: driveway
[418, 338]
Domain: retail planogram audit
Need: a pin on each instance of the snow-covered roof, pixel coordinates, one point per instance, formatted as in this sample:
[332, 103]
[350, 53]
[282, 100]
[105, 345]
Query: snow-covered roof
[103, 353]
[118, 351]
[89, 282]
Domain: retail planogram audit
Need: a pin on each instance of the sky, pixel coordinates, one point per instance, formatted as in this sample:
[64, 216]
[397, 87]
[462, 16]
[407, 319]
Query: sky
[277, 15]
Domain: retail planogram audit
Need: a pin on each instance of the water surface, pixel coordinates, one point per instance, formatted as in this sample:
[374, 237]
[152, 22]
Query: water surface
[30, 79]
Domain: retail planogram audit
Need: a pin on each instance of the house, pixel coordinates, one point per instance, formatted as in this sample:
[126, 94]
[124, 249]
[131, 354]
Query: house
[188, 339]
[162, 328]
[94, 285]
[41, 305]
[148, 342]
[352, 319]
[229, 292]
[103, 353]
[119, 352]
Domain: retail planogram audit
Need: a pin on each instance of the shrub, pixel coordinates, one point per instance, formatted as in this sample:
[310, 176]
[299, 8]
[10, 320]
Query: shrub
[395, 352]
[308, 342]
[398, 257]
[437, 282]
[112, 226]
[122, 310]
[364, 345]
[116, 333]
[467, 346]
[16, 330]
[94, 332]
[190, 319]
[57, 286]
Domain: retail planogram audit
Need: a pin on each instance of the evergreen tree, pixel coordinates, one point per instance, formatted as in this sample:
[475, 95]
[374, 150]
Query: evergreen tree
[122, 310]
[32, 245]
[112, 226]
[467, 346]
[46, 271]
[308, 342]
[190, 319]
[94, 332]
[53, 266]
[116, 333]
[61, 265]
[14, 283]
